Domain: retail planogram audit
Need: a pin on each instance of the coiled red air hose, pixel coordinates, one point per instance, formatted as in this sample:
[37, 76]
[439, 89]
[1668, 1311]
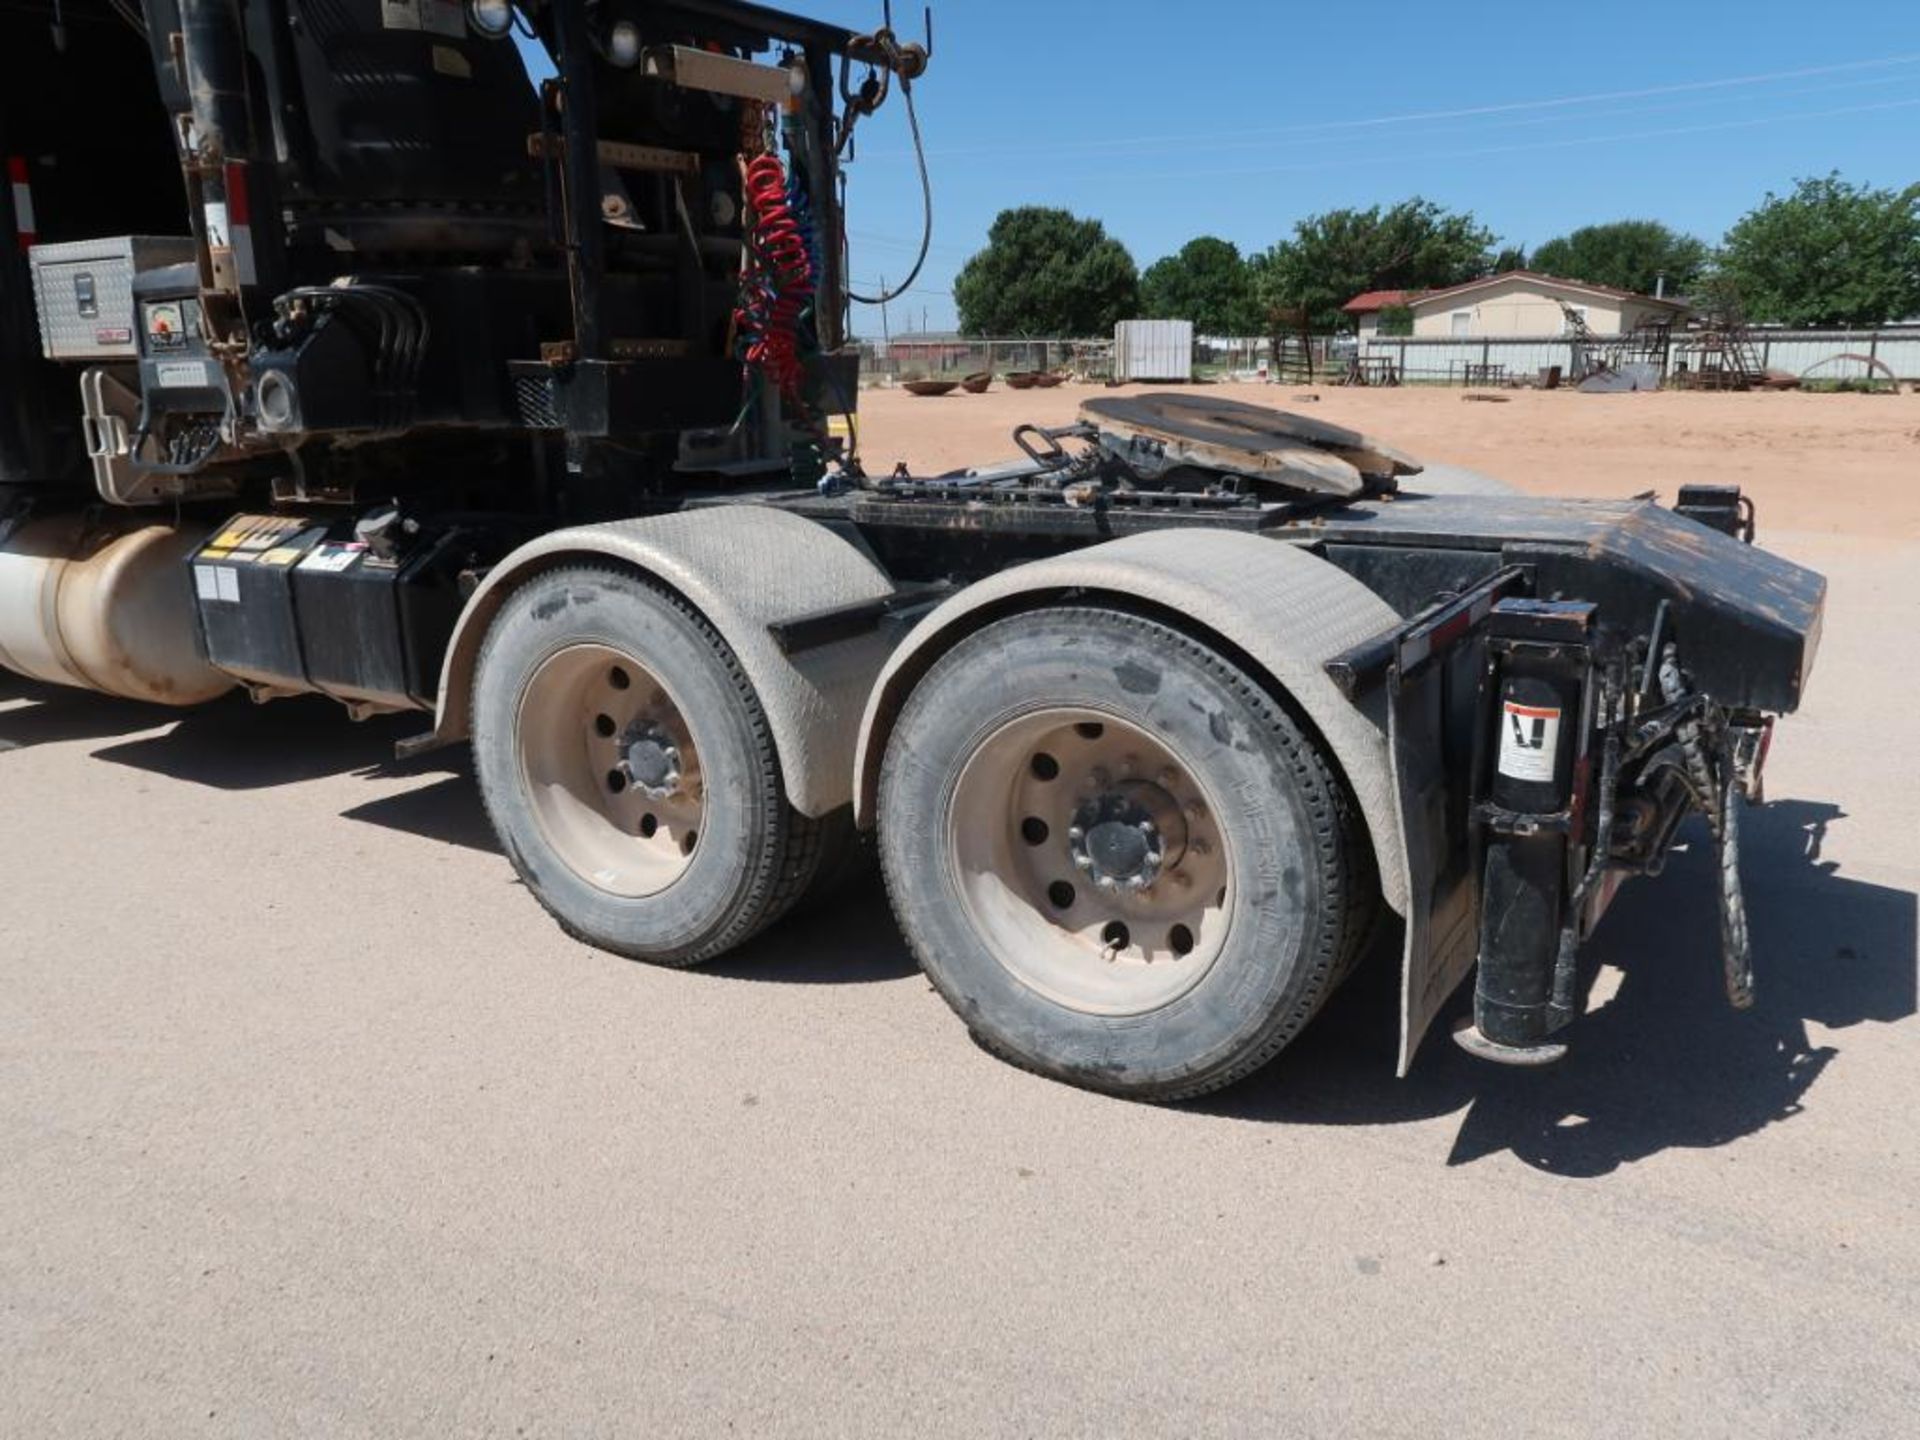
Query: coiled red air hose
[771, 309]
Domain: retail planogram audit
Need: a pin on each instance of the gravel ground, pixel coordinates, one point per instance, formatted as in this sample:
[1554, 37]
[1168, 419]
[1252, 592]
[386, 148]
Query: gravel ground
[313, 1123]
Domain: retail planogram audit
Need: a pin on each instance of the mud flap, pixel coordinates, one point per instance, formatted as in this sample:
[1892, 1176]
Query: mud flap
[1443, 913]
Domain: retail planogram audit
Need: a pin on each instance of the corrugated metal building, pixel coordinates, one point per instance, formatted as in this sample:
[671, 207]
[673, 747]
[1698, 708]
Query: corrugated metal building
[1153, 350]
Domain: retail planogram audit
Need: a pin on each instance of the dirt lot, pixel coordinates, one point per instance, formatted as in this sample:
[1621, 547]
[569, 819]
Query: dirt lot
[312, 1123]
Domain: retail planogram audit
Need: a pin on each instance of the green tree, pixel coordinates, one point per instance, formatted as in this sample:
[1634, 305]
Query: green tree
[1831, 253]
[1208, 283]
[1514, 257]
[1415, 245]
[1626, 254]
[1395, 320]
[1046, 272]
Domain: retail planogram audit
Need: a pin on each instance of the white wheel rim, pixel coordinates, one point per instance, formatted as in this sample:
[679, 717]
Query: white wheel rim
[611, 770]
[1070, 903]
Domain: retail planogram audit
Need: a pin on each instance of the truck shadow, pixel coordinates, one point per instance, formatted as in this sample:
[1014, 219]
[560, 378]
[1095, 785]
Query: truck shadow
[232, 744]
[1664, 1062]
[844, 937]
[847, 937]
[448, 810]
[54, 713]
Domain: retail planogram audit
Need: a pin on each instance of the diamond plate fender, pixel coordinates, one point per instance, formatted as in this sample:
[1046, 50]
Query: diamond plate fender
[744, 568]
[1277, 604]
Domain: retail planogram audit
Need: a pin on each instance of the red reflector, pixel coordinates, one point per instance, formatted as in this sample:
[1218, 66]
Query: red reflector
[24, 226]
[237, 208]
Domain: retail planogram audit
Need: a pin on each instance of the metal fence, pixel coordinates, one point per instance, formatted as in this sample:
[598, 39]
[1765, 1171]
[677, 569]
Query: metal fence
[1447, 360]
[1412, 359]
[1215, 357]
[945, 357]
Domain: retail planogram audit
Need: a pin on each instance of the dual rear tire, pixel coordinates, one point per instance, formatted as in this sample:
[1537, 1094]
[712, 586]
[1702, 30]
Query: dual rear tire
[1120, 859]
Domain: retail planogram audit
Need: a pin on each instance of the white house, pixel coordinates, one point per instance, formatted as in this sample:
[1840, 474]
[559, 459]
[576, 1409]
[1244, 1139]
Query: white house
[1520, 302]
[1515, 303]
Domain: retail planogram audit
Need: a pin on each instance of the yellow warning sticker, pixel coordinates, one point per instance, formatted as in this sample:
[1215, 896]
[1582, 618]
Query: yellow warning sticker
[281, 556]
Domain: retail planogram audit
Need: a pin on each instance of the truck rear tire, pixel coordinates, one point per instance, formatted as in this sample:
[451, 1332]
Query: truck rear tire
[630, 773]
[1123, 863]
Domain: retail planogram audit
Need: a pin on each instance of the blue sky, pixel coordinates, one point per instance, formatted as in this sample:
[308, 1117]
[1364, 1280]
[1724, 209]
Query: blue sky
[1236, 119]
[1168, 121]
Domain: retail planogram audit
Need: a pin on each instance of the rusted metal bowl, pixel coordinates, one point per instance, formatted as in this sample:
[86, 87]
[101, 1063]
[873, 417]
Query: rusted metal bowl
[977, 384]
[1024, 379]
[931, 387]
[1048, 379]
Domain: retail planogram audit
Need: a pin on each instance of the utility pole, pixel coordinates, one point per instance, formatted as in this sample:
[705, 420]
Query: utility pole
[886, 335]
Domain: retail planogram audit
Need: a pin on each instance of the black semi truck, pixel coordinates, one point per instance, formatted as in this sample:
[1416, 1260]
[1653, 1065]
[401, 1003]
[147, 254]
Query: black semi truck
[344, 352]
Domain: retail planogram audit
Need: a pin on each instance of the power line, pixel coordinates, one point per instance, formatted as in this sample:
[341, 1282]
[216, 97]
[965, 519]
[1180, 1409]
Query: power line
[893, 242]
[1240, 141]
[1558, 102]
[1437, 155]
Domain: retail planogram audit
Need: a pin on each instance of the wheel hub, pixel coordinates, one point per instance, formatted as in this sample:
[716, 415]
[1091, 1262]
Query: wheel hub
[1126, 837]
[1091, 860]
[651, 762]
[613, 769]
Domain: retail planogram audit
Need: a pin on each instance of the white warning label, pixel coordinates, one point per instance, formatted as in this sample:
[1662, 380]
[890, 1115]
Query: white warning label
[334, 558]
[184, 375]
[1529, 741]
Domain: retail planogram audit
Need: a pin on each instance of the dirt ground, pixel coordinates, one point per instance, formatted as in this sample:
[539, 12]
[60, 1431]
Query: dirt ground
[1825, 464]
[312, 1123]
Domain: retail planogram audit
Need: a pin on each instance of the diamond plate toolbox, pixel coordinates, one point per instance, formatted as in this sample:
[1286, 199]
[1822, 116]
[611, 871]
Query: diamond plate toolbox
[83, 291]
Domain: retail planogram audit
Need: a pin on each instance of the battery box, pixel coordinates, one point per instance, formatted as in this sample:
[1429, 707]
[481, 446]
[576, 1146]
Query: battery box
[289, 605]
[243, 586]
[375, 627]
